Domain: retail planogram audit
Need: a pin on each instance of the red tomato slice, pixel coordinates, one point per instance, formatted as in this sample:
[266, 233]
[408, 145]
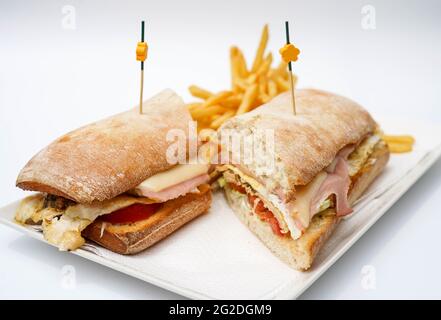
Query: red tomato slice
[259, 209]
[133, 213]
[237, 188]
[265, 214]
[275, 225]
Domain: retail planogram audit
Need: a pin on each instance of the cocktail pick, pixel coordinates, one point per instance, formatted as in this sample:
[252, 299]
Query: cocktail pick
[289, 54]
[141, 55]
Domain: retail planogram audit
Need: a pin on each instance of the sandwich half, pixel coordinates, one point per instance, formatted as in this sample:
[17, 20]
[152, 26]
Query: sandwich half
[110, 181]
[323, 159]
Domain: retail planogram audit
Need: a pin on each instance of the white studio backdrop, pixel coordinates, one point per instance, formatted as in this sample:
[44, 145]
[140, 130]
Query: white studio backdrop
[67, 63]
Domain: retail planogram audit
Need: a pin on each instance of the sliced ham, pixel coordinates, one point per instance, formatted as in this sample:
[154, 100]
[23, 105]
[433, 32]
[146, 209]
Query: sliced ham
[334, 180]
[174, 191]
[343, 153]
[336, 183]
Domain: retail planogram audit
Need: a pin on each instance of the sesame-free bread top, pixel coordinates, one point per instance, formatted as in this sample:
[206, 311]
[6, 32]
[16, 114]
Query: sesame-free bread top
[104, 159]
[305, 143]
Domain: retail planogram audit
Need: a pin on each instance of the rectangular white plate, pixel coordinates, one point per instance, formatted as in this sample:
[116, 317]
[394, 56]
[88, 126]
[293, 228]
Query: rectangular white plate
[216, 257]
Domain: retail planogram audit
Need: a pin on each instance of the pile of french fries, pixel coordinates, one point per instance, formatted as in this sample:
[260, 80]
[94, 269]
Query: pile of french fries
[250, 87]
[399, 144]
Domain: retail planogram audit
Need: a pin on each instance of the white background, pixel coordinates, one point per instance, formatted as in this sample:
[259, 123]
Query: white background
[54, 79]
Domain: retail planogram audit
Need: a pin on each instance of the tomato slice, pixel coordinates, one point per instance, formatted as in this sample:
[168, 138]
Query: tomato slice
[275, 225]
[237, 188]
[133, 213]
[265, 214]
[259, 208]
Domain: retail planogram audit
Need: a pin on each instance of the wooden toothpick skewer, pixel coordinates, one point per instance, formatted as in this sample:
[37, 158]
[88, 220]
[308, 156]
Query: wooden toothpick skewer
[291, 80]
[142, 71]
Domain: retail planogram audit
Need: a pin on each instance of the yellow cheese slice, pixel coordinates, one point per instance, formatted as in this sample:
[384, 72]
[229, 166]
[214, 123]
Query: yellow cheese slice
[304, 195]
[175, 175]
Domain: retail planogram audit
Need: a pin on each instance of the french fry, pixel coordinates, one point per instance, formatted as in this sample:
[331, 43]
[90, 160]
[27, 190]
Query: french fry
[248, 99]
[241, 64]
[232, 101]
[217, 123]
[262, 85]
[241, 85]
[199, 92]
[272, 88]
[282, 84]
[399, 147]
[216, 98]
[234, 64]
[252, 78]
[261, 49]
[205, 112]
[280, 71]
[265, 66]
[404, 139]
[264, 98]
[194, 105]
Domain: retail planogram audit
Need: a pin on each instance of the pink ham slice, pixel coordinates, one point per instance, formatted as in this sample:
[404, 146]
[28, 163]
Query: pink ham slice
[337, 182]
[177, 190]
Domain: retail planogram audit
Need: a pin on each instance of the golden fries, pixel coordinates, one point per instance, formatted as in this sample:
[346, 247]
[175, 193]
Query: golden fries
[406, 139]
[400, 143]
[215, 99]
[249, 87]
[261, 49]
[201, 113]
[248, 99]
[272, 88]
[265, 66]
[199, 92]
[241, 64]
[399, 148]
[282, 84]
[280, 71]
[194, 105]
[232, 101]
[218, 121]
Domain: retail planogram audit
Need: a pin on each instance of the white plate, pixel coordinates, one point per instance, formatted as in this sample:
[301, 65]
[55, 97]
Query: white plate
[216, 257]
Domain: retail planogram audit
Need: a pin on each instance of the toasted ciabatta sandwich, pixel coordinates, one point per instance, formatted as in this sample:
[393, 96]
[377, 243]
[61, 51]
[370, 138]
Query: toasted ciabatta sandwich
[110, 181]
[325, 157]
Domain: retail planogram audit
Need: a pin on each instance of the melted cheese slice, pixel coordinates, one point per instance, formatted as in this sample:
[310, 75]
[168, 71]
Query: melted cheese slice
[304, 197]
[29, 209]
[171, 177]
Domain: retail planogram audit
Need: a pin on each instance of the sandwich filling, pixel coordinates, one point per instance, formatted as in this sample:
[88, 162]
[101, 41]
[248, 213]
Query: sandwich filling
[328, 189]
[63, 220]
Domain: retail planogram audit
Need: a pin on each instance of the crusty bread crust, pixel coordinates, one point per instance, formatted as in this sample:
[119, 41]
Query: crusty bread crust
[104, 159]
[323, 125]
[300, 253]
[135, 237]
